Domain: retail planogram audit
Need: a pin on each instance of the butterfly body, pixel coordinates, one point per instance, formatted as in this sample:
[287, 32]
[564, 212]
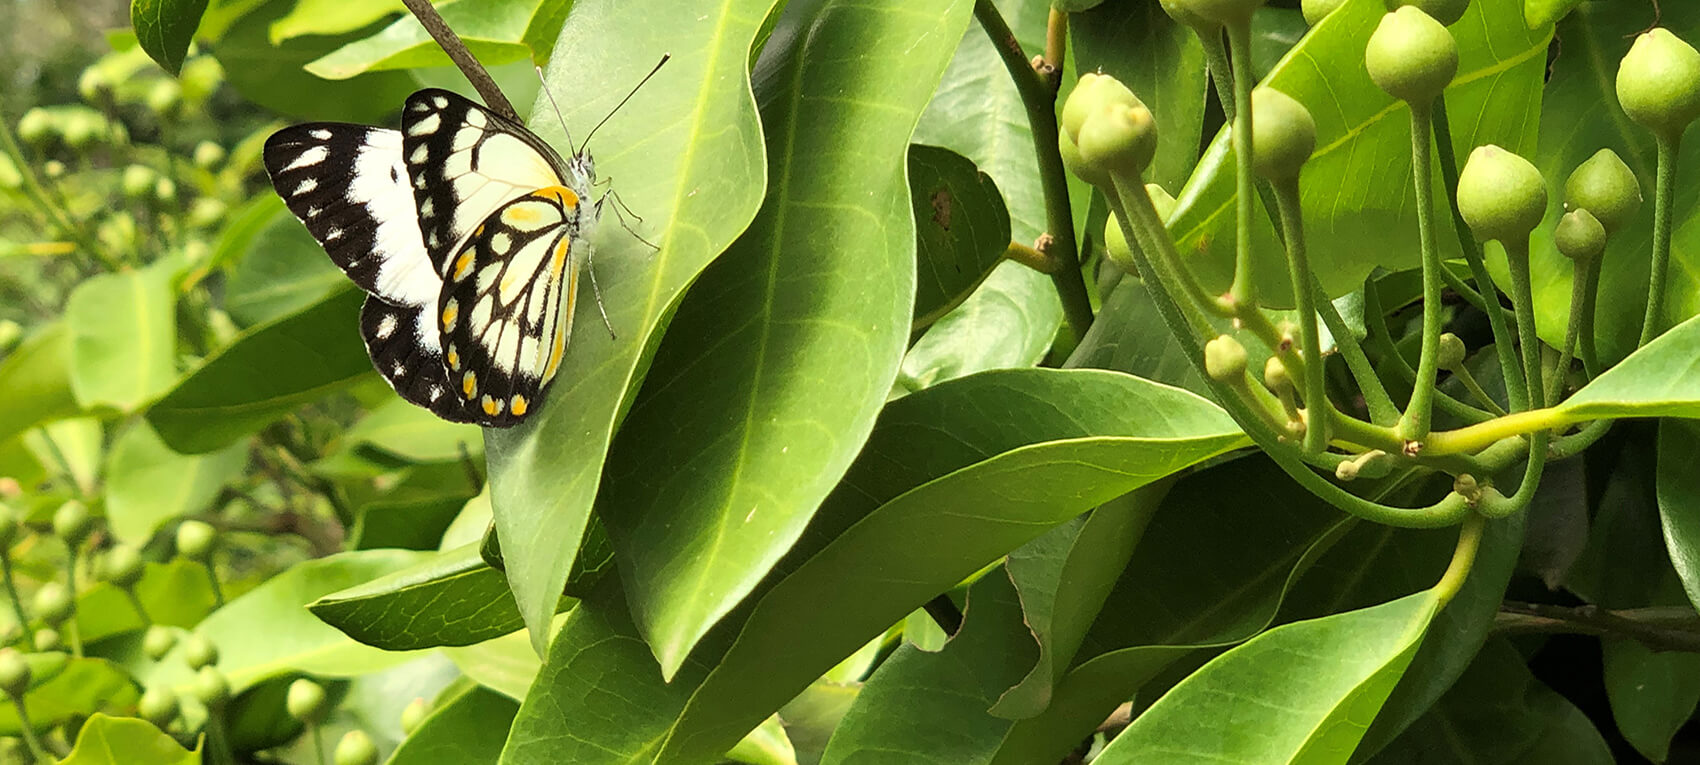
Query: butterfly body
[468, 234]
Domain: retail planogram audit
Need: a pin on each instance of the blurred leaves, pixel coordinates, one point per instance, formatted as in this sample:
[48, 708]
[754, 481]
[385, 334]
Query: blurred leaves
[107, 740]
[148, 484]
[165, 28]
[123, 338]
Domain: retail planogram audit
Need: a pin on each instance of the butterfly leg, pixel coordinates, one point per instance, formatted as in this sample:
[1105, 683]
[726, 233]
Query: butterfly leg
[618, 204]
[596, 290]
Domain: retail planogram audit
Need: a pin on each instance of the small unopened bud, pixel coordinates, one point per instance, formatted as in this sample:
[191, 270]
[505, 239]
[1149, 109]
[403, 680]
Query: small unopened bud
[53, 169]
[71, 522]
[52, 604]
[122, 566]
[47, 639]
[1225, 359]
[1317, 10]
[1119, 139]
[1658, 83]
[212, 688]
[158, 641]
[1501, 195]
[165, 191]
[37, 127]
[1451, 353]
[1411, 56]
[195, 540]
[1467, 487]
[1580, 237]
[158, 706]
[208, 155]
[1221, 11]
[164, 97]
[1116, 246]
[1181, 12]
[1283, 134]
[356, 748]
[306, 701]
[1444, 11]
[413, 715]
[94, 86]
[1605, 187]
[1275, 375]
[14, 673]
[199, 651]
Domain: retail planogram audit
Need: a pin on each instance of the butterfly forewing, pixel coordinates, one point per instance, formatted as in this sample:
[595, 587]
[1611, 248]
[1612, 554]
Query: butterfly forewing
[347, 183]
[465, 161]
[507, 304]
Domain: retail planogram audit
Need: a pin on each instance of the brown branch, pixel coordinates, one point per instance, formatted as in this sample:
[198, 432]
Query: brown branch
[469, 66]
[1661, 629]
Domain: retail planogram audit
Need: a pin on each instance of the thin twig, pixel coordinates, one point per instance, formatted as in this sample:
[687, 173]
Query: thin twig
[1661, 629]
[469, 66]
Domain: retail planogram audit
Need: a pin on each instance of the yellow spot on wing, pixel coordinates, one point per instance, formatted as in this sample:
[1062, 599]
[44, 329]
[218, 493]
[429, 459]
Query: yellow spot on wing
[454, 359]
[450, 311]
[519, 405]
[561, 194]
[519, 214]
[561, 256]
[492, 406]
[463, 264]
[469, 384]
[555, 355]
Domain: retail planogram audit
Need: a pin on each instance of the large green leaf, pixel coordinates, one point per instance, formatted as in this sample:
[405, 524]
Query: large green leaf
[977, 113]
[506, 665]
[1662, 379]
[686, 153]
[1498, 712]
[295, 640]
[165, 28]
[1162, 62]
[123, 338]
[266, 373]
[332, 17]
[283, 272]
[1679, 501]
[1302, 692]
[452, 598]
[69, 688]
[961, 229]
[107, 740]
[36, 376]
[148, 484]
[952, 478]
[493, 30]
[1652, 694]
[399, 429]
[467, 727]
[271, 74]
[1063, 579]
[1579, 117]
[783, 353]
[902, 703]
[1357, 186]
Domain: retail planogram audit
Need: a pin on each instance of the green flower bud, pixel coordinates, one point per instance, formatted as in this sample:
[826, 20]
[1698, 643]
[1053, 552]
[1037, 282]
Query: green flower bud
[1092, 94]
[11, 178]
[206, 212]
[164, 97]
[53, 169]
[14, 673]
[1225, 359]
[1116, 247]
[47, 639]
[122, 566]
[1071, 159]
[1658, 83]
[1411, 56]
[137, 181]
[52, 604]
[195, 540]
[37, 127]
[1220, 11]
[94, 86]
[1275, 375]
[1606, 187]
[1283, 134]
[71, 522]
[158, 706]
[165, 191]
[1580, 237]
[1452, 351]
[13, 749]
[158, 641]
[1467, 487]
[118, 231]
[306, 701]
[1317, 10]
[200, 652]
[1447, 12]
[208, 155]
[413, 715]
[356, 748]
[1501, 195]
[1181, 12]
[1119, 139]
[211, 688]
[82, 128]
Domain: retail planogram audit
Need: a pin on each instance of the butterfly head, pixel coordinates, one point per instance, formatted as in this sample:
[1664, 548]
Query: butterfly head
[582, 169]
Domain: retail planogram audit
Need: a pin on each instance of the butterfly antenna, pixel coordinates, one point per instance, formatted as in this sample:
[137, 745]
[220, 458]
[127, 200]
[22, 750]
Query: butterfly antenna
[557, 107]
[628, 97]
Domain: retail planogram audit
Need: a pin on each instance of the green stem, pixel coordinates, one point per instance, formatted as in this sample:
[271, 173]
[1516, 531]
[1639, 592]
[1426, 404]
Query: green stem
[1473, 438]
[1496, 505]
[71, 631]
[1040, 102]
[1382, 410]
[1523, 301]
[1221, 74]
[218, 744]
[1243, 291]
[136, 603]
[1463, 559]
[1470, 384]
[1590, 299]
[1502, 339]
[12, 591]
[318, 743]
[1382, 338]
[1315, 384]
[212, 578]
[1419, 412]
[1663, 199]
[28, 731]
[1569, 446]
[1572, 328]
[1137, 213]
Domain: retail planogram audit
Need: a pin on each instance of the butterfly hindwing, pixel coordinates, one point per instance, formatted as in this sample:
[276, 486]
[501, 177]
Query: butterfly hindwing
[465, 161]
[507, 304]
[412, 366]
[349, 186]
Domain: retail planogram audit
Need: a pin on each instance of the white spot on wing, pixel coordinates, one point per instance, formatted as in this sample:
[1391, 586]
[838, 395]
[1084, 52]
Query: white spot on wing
[306, 186]
[425, 125]
[386, 326]
[321, 134]
[439, 102]
[499, 243]
[405, 274]
[311, 156]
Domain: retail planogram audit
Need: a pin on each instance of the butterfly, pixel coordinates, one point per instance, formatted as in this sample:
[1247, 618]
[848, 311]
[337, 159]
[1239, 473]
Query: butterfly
[467, 233]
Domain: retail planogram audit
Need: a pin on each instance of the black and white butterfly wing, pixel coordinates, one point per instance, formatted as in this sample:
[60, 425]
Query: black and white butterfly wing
[507, 304]
[349, 186]
[464, 162]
